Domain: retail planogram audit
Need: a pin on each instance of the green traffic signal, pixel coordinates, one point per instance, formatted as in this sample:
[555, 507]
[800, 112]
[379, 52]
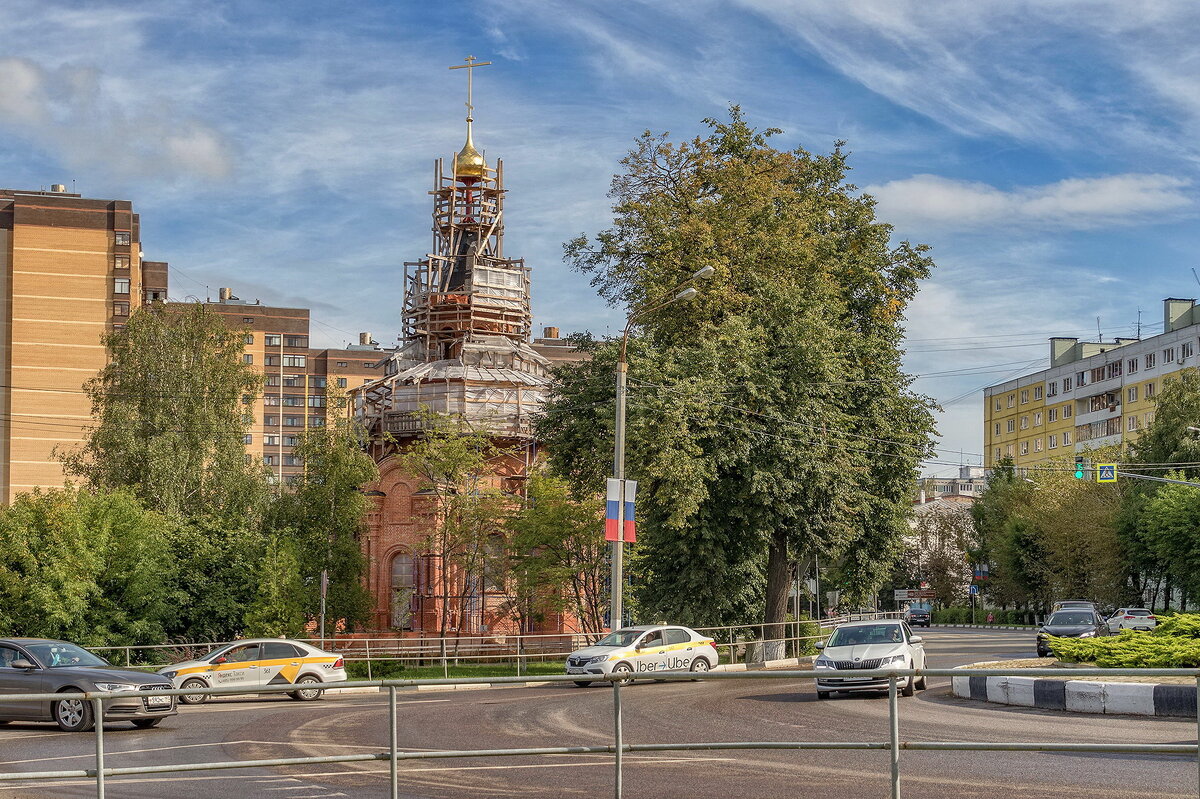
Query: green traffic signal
[1079, 469]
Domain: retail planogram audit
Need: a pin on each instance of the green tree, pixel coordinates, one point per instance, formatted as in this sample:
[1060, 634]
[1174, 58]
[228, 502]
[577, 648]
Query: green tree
[558, 558]
[278, 608]
[219, 570]
[326, 511]
[170, 417]
[769, 417]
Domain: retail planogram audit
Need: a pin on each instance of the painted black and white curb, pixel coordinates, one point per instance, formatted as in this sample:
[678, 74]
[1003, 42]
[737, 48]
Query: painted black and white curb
[1134, 698]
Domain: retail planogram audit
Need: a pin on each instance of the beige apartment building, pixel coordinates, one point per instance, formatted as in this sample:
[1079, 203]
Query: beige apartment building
[1094, 394]
[71, 269]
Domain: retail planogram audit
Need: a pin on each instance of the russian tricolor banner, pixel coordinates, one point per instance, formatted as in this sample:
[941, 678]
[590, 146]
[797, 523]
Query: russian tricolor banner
[616, 516]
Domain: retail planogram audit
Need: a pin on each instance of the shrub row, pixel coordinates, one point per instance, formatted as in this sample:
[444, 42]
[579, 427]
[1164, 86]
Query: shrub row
[957, 615]
[1173, 644]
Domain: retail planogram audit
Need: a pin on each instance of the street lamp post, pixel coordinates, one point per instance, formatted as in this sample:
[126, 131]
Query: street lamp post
[682, 292]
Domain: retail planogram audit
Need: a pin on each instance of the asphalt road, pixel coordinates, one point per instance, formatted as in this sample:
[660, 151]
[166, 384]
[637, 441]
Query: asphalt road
[653, 712]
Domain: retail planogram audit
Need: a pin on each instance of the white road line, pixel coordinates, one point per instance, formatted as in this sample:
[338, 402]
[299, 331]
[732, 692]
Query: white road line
[228, 708]
[109, 753]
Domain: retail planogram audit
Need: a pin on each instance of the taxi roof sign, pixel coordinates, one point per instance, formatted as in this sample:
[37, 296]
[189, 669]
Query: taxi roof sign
[1106, 472]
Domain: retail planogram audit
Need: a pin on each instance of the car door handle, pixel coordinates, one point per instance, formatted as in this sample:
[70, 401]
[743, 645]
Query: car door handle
[295, 664]
[252, 667]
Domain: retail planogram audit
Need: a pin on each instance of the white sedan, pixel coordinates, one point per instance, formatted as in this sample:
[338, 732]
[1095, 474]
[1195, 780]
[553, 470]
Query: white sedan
[642, 651]
[883, 644]
[1132, 619]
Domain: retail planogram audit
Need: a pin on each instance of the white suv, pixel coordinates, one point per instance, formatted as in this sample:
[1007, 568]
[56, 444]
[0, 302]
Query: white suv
[1132, 619]
[642, 651]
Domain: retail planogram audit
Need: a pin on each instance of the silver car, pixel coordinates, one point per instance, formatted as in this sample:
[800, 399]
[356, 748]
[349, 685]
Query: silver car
[45, 666]
[883, 644]
[641, 651]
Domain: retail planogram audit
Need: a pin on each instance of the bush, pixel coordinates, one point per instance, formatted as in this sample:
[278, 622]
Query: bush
[1173, 644]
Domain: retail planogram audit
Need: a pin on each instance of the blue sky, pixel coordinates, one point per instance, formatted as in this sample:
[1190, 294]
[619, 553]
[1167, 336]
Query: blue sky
[1048, 151]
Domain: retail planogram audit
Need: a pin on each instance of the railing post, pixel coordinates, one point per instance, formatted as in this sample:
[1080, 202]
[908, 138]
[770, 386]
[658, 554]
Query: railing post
[98, 715]
[894, 735]
[392, 737]
[618, 737]
[127, 663]
[368, 645]
[520, 655]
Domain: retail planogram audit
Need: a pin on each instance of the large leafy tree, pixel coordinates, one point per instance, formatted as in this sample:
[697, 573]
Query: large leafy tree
[769, 417]
[170, 417]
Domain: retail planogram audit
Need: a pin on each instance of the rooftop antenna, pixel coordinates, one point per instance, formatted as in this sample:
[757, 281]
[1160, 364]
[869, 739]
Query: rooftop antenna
[1099, 335]
[1139, 321]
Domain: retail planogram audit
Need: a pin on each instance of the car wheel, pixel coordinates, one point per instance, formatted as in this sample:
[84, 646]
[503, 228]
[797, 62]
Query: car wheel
[583, 683]
[924, 683]
[193, 699]
[626, 670]
[307, 694]
[145, 724]
[910, 686]
[73, 715]
[700, 665]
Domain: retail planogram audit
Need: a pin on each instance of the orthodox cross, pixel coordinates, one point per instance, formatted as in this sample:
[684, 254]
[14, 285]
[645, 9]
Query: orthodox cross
[469, 67]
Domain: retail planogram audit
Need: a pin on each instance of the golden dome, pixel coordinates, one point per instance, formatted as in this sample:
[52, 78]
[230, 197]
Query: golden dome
[469, 163]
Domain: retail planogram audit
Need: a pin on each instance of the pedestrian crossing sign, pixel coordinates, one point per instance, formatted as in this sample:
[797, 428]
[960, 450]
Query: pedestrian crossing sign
[1106, 472]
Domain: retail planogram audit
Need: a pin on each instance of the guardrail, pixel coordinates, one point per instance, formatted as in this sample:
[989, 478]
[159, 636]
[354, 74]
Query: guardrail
[747, 639]
[394, 755]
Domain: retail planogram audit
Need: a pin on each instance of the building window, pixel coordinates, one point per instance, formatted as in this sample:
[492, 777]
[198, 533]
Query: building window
[293, 381]
[272, 380]
[1132, 366]
[1037, 392]
[120, 309]
[1066, 411]
[1054, 441]
[997, 403]
[1149, 418]
[247, 320]
[997, 455]
[1131, 424]
[1113, 369]
[1052, 388]
[1052, 415]
[1024, 422]
[295, 341]
[1037, 445]
[271, 339]
[247, 358]
[341, 382]
[1025, 396]
[293, 421]
[271, 399]
[367, 365]
[121, 262]
[295, 360]
[271, 421]
[316, 401]
[270, 460]
[1066, 384]
[1168, 354]
[1008, 450]
[316, 382]
[249, 339]
[1149, 390]
[291, 441]
[1037, 419]
[1012, 425]
[1132, 394]
[121, 285]
[271, 440]
[248, 438]
[1185, 349]
[293, 401]
[293, 460]
[1081, 379]
[1024, 447]
[1066, 439]
[1150, 360]
[343, 365]
[1096, 374]
[122, 237]
[271, 360]
[997, 429]
[316, 421]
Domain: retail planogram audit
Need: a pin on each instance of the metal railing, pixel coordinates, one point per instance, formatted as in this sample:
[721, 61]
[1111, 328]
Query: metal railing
[739, 643]
[394, 755]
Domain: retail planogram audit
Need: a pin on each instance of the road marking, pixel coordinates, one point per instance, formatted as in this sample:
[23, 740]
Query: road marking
[229, 708]
[112, 753]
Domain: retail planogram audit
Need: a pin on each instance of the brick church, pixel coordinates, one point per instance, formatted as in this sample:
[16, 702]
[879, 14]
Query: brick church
[466, 351]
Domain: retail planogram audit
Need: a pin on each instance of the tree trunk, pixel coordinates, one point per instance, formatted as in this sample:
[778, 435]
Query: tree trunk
[778, 583]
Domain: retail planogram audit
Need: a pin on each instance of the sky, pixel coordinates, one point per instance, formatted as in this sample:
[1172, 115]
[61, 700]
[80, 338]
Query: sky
[1048, 151]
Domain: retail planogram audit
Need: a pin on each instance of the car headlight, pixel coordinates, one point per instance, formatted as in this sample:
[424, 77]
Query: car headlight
[824, 662]
[170, 675]
[598, 659]
[115, 686]
[1089, 634]
[1043, 636]
[892, 660]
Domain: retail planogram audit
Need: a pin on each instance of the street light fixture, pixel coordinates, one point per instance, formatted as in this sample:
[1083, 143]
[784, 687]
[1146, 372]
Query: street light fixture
[681, 292]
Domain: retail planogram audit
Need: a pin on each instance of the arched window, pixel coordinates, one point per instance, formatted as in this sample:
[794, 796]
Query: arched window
[404, 591]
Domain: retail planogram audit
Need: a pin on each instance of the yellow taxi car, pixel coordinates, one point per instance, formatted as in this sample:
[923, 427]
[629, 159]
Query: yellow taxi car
[641, 651]
[258, 662]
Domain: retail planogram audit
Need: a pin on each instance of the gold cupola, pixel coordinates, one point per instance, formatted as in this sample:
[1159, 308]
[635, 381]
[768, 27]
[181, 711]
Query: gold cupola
[469, 162]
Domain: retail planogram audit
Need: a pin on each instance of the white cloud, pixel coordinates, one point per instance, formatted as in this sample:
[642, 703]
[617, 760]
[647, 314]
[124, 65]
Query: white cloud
[931, 201]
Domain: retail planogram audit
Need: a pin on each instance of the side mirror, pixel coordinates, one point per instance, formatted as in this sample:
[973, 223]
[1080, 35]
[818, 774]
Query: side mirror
[820, 644]
[22, 663]
[221, 660]
[916, 639]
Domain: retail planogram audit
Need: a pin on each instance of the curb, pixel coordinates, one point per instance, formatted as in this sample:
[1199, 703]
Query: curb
[767, 664]
[990, 626]
[1079, 696]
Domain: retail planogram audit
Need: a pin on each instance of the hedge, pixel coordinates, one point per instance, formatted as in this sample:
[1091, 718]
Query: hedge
[1173, 644]
[958, 615]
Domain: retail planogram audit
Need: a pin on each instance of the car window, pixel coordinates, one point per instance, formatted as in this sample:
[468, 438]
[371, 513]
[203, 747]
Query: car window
[866, 634]
[7, 656]
[907, 631]
[1072, 617]
[678, 636]
[275, 651]
[243, 654]
[653, 638]
[58, 655]
[1138, 612]
[619, 638]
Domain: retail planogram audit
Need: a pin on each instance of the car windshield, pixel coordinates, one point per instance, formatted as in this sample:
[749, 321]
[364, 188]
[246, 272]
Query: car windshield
[61, 655]
[1137, 612]
[1071, 617]
[620, 638]
[866, 634]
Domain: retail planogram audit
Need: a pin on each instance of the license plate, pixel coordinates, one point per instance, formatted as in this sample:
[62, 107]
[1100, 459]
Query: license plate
[575, 671]
[158, 701]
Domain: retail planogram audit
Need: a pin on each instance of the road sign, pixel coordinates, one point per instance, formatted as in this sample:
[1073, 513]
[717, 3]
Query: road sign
[974, 590]
[913, 594]
[1106, 472]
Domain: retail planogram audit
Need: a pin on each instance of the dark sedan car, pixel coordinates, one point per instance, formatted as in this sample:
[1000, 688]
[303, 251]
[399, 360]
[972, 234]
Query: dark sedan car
[39, 665]
[1077, 623]
[917, 617]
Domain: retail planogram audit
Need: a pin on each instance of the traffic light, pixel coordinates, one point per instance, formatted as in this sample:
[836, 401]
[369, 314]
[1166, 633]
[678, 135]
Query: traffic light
[1079, 468]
